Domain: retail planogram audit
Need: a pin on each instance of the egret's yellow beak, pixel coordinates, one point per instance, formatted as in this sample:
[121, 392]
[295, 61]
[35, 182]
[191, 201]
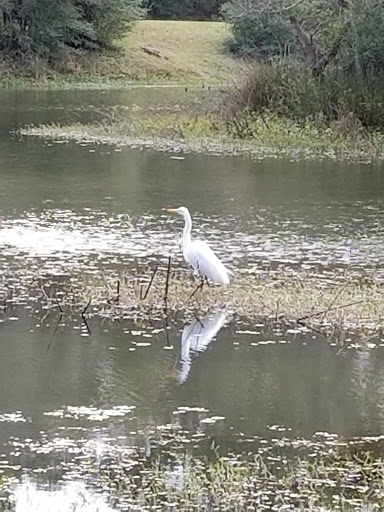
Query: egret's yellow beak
[173, 210]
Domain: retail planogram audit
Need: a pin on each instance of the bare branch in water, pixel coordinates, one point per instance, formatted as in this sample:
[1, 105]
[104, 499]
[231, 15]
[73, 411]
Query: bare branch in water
[54, 332]
[118, 291]
[333, 302]
[86, 307]
[306, 317]
[58, 303]
[167, 281]
[86, 325]
[150, 283]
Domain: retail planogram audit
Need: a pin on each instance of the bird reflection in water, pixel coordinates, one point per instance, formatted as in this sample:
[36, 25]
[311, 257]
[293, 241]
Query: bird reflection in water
[196, 337]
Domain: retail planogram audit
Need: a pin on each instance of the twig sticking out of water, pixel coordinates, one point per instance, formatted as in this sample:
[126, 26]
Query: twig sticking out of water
[317, 331]
[55, 331]
[44, 293]
[167, 330]
[325, 311]
[58, 303]
[83, 316]
[150, 284]
[277, 310]
[333, 302]
[302, 320]
[86, 307]
[86, 325]
[118, 291]
[167, 281]
[109, 289]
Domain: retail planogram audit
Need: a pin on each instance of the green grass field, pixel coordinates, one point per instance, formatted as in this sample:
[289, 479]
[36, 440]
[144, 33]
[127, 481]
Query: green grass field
[190, 52]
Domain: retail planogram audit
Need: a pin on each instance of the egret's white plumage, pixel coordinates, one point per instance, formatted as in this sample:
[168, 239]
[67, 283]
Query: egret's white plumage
[199, 255]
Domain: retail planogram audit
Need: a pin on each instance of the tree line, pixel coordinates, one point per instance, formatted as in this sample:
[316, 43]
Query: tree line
[318, 58]
[318, 31]
[321, 59]
[184, 9]
[51, 27]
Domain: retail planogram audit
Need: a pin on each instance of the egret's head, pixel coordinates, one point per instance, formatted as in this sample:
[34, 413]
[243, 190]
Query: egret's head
[183, 211]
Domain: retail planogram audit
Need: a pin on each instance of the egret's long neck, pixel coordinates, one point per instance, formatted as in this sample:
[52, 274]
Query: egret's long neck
[187, 230]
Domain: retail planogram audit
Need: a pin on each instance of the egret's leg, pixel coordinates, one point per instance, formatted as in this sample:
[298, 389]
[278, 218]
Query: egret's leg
[198, 287]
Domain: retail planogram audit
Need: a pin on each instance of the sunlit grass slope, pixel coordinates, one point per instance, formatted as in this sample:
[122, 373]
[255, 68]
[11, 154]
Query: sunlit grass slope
[190, 51]
[155, 52]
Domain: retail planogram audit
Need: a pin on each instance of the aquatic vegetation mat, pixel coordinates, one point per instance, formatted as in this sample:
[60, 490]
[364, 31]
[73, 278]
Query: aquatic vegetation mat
[328, 303]
[276, 473]
[195, 127]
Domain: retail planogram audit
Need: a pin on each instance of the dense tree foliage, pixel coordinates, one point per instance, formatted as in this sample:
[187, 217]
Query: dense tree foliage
[322, 57]
[320, 31]
[258, 33]
[45, 27]
[183, 9]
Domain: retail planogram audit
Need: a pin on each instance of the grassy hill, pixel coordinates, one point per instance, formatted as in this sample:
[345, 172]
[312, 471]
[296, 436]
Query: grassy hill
[191, 51]
[180, 52]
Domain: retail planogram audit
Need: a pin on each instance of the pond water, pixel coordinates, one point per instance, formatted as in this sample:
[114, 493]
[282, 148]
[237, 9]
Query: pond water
[69, 388]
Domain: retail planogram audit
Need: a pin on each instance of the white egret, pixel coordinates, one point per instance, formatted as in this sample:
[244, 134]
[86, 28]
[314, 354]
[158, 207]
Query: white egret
[199, 255]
